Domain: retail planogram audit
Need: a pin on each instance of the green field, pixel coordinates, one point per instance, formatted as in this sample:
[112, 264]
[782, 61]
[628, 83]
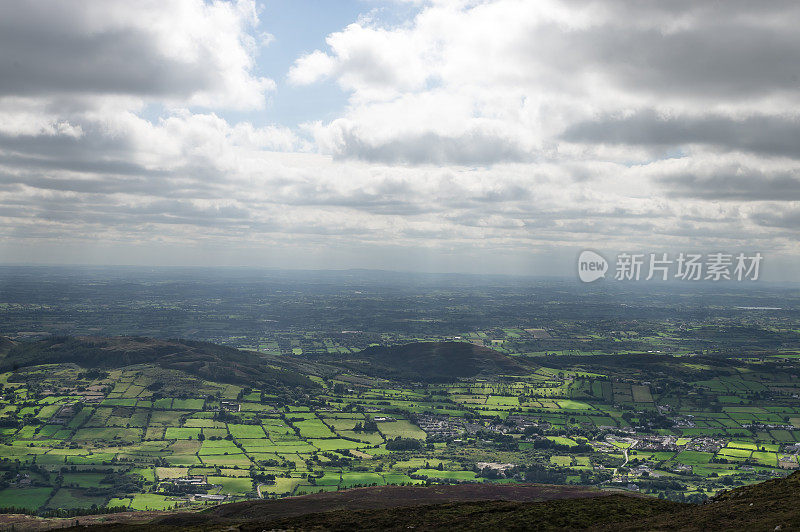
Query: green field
[29, 498]
[452, 475]
[556, 425]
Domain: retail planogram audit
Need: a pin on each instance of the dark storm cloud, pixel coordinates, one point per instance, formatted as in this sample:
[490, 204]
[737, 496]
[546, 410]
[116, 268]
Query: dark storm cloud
[767, 135]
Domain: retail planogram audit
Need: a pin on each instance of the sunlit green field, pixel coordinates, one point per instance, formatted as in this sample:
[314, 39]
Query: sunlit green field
[72, 440]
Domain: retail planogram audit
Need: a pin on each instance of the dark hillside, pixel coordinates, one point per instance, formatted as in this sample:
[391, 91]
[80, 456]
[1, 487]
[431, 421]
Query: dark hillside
[433, 362]
[205, 360]
[6, 345]
[769, 506]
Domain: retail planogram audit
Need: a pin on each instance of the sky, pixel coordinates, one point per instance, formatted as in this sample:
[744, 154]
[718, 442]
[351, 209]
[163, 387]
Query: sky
[483, 136]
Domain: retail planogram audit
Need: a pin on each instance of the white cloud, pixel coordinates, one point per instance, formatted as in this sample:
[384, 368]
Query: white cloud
[311, 68]
[523, 71]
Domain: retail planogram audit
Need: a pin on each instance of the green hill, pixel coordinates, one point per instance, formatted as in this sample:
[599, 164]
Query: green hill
[432, 362]
[424, 361]
[202, 359]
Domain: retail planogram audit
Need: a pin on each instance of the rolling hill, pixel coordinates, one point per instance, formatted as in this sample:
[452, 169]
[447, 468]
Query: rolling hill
[422, 362]
[431, 362]
[202, 359]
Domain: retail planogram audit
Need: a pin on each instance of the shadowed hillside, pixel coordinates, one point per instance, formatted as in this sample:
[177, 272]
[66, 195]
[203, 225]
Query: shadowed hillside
[426, 361]
[205, 360]
[383, 507]
[432, 362]
[6, 345]
[772, 505]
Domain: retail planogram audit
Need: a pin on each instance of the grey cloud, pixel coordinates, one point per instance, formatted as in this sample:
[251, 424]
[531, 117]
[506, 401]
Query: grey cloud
[104, 167]
[92, 145]
[567, 219]
[477, 219]
[371, 203]
[733, 60]
[35, 62]
[768, 135]
[168, 186]
[735, 183]
[109, 213]
[712, 10]
[155, 183]
[105, 185]
[782, 219]
[80, 49]
[399, 197]
[96, 163]
[384, 198]
[469, 149]
[711, 57]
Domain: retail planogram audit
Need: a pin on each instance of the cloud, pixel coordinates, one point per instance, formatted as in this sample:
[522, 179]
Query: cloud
[468, 149]
[763, 134]
[778, 218]
[537, 69]
[705, 60]
[311, 68]
[735, 182]
[188, 51]
[472, 129]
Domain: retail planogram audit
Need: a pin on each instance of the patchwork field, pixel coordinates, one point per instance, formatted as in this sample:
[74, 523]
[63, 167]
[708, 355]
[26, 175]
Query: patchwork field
[146, 438]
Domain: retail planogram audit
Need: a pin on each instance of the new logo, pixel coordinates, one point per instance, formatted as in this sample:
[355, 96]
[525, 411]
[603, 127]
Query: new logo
[591, 266]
